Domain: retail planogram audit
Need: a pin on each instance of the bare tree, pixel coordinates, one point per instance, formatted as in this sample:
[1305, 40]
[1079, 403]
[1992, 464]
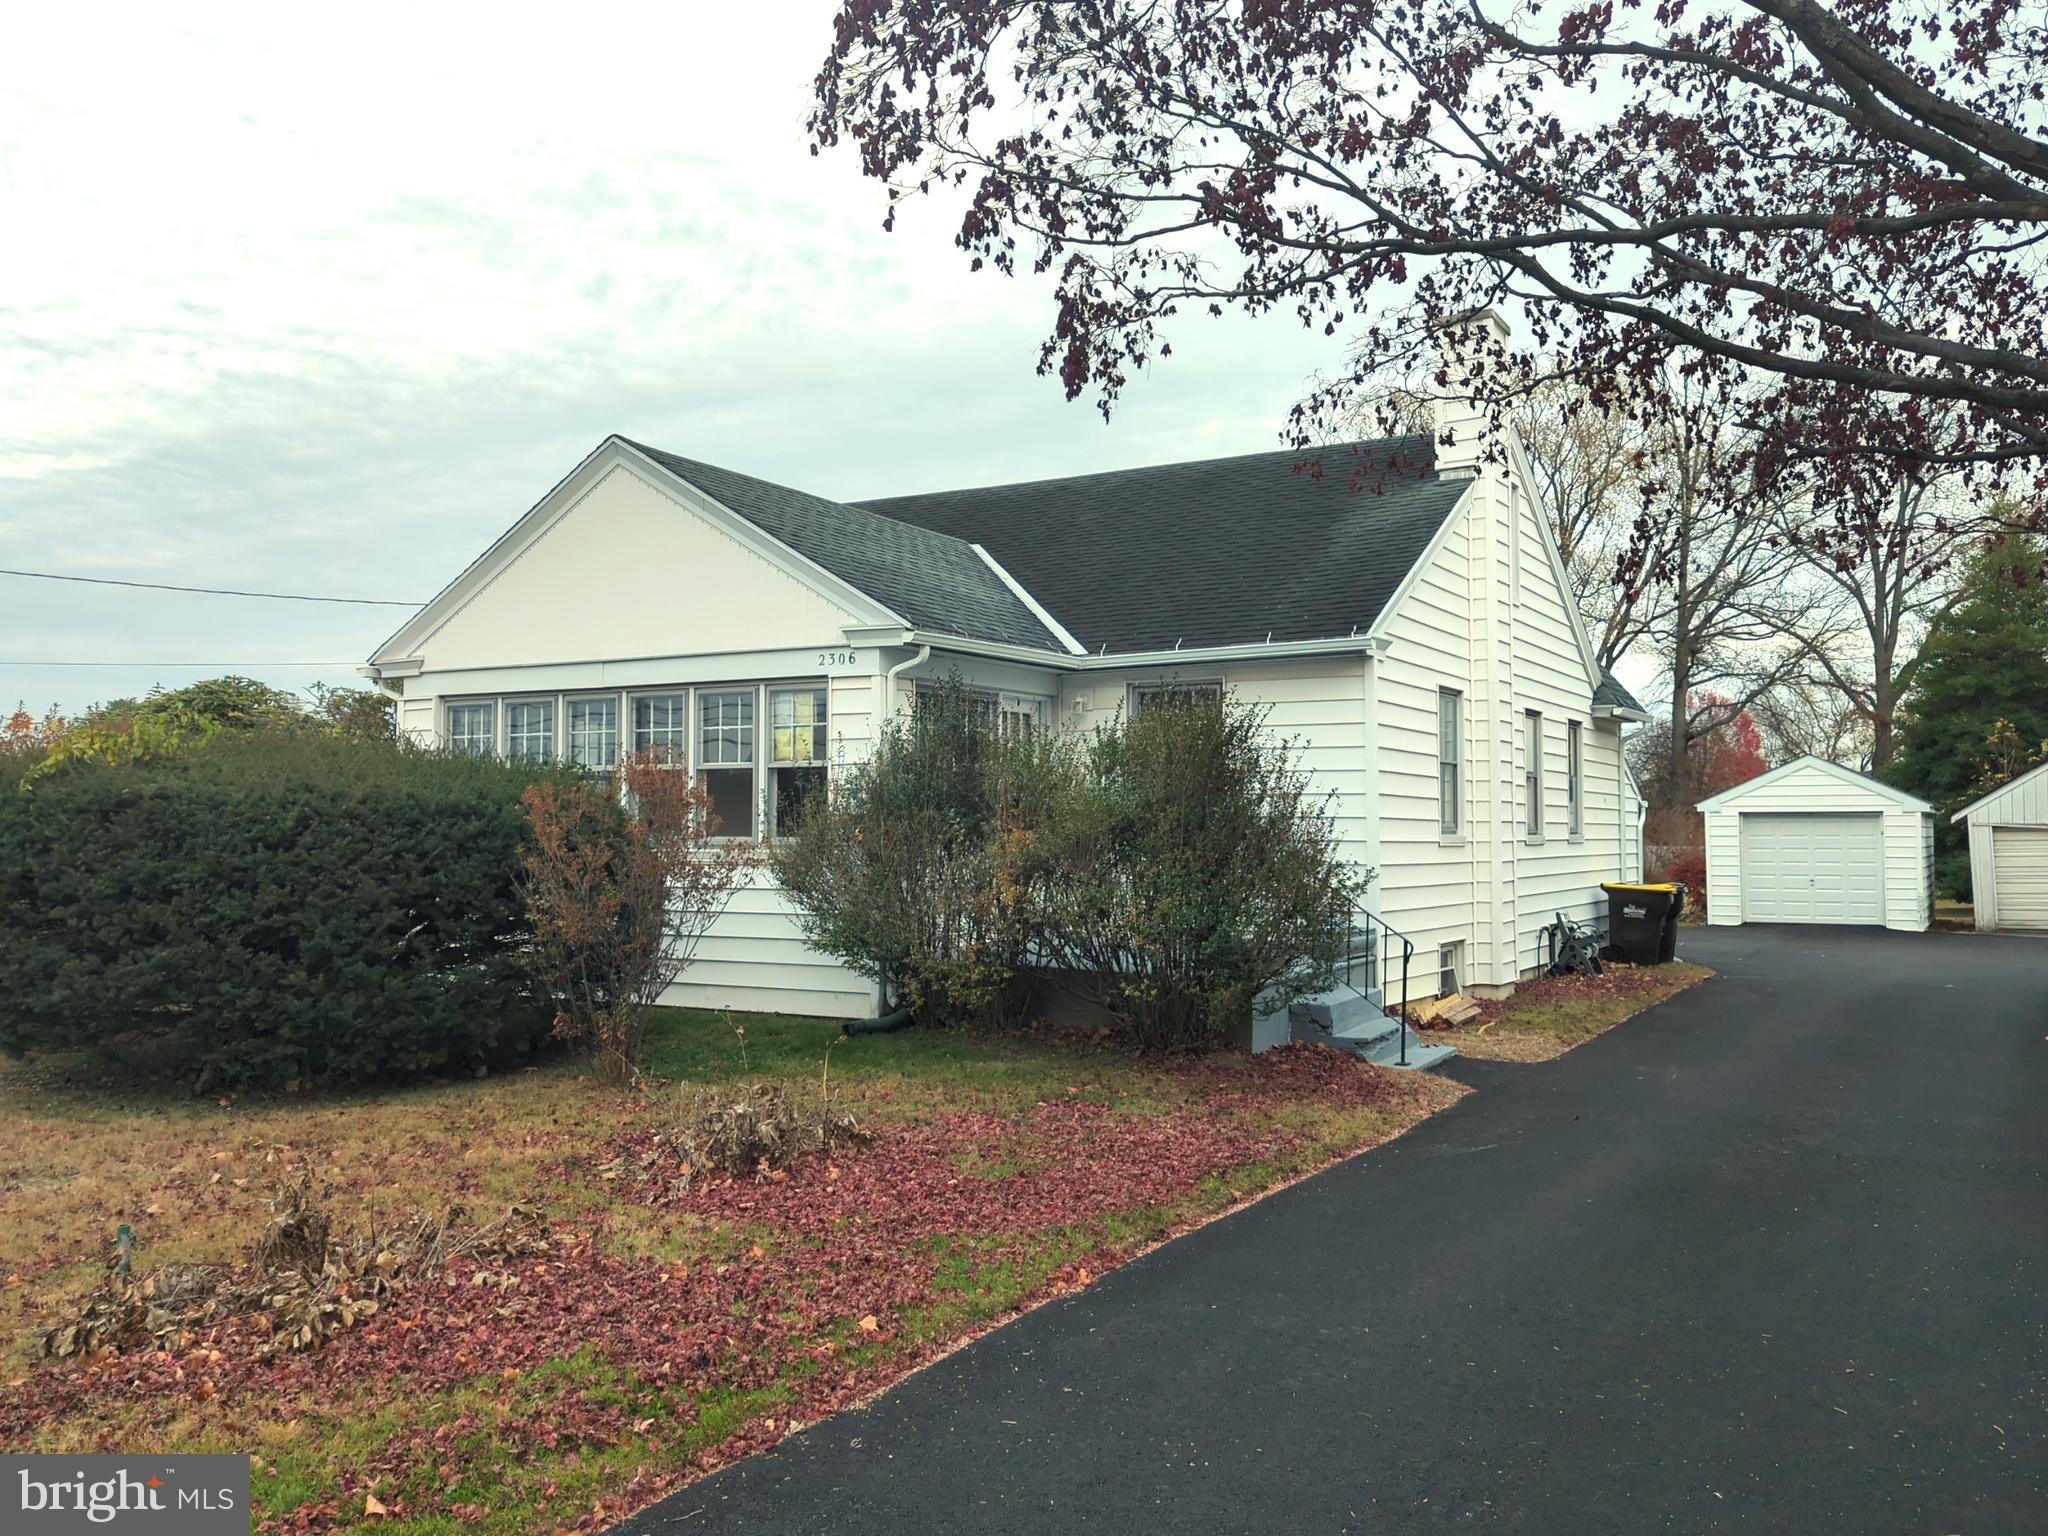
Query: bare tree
[1589, 460]
[1727, 618]
[1803, 717]
[1882, 558]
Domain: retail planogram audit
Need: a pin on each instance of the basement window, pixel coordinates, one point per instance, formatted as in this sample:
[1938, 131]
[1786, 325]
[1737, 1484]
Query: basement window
[1450, 968]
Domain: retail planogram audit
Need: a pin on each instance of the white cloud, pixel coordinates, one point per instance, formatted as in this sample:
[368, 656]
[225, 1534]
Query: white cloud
[322, 301]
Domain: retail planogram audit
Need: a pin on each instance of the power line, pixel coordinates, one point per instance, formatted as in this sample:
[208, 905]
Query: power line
[165, 586]
[181, 666]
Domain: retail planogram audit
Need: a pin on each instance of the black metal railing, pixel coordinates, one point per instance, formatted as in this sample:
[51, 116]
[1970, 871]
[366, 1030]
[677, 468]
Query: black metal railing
[1371, 943]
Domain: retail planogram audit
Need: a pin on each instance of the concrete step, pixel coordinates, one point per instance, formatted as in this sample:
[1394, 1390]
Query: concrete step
[1421, 1055]
[1321, 1016]
[1367, 1033]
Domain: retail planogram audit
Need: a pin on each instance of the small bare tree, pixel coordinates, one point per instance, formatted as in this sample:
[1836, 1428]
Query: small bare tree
[623, 878]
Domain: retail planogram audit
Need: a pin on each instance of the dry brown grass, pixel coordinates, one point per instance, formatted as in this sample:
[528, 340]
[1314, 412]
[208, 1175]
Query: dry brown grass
[1553, 1014]
[78, 1160]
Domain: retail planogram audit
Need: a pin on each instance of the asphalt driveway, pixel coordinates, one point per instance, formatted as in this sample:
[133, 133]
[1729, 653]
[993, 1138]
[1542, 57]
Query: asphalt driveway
[1771, 1257]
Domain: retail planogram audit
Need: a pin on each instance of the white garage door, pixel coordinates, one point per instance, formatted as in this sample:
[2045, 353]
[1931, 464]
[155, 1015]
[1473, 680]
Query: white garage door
[1812, 868]
[2019, 870]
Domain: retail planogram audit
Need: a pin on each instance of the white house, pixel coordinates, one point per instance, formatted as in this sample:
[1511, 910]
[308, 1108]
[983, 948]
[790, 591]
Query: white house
[1414, 632]
[2009, 852]
[1814, 842]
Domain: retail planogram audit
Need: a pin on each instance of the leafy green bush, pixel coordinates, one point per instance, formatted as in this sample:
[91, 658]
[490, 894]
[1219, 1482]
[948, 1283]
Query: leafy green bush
[276, 909]
[1199, 870]
[921, 871]
[1170, 868]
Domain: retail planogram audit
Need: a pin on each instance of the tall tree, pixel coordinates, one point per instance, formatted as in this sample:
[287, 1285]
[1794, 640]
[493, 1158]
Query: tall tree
[1985, 662]
[1809, 190]
[1589, 461]
[1715, 592]
[1883, 557]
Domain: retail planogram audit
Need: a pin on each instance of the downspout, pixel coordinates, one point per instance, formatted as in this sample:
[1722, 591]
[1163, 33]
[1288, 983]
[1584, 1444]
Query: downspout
[924, 654]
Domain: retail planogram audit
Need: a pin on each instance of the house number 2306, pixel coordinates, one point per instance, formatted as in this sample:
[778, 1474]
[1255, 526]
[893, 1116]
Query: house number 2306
[835, 658]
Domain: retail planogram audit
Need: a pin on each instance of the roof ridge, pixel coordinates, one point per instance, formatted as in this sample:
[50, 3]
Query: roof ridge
[871, 503]
[776, 485]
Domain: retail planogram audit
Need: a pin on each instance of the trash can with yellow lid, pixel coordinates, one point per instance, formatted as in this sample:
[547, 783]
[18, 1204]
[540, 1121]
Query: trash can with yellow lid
[1642, 920]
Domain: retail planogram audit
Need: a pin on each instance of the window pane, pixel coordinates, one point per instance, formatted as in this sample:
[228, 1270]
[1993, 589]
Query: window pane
[1178, 694]
[732, 800]
[1450, 745]
[530, 728]
[1574, 776]
[472, 728]
[594, 732]
[796, 717]
[726, 720]
[794, 791]
[661, 726]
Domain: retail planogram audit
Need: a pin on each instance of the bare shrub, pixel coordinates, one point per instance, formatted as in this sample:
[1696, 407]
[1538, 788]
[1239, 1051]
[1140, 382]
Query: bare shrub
[622, 879]
[305, 1283]
[754, 1130]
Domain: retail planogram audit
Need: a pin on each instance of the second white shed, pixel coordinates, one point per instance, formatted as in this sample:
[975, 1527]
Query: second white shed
[1814, 842]
[2009, 852]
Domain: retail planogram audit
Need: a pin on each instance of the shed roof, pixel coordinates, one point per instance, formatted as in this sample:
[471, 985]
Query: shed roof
[1849, 776]
[2009, 787]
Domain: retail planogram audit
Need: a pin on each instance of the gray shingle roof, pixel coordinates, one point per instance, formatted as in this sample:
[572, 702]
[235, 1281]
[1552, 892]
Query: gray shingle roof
[929, 576]
[1610, 694]
[1299, 545]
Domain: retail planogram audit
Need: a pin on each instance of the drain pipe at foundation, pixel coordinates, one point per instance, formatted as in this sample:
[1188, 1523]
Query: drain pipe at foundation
[898, 1018]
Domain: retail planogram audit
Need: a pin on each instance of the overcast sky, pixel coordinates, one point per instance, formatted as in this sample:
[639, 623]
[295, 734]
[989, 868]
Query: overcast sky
[321, 302]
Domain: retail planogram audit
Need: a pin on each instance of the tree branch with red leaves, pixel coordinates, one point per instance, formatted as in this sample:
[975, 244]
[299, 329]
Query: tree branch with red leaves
[1847, 201]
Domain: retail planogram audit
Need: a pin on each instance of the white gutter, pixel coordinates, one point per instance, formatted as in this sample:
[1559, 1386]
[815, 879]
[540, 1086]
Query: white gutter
[1341, 645]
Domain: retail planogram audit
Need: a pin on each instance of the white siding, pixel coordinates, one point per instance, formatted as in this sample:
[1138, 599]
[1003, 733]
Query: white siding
[755, 959]
[1429, 882]
[1557, 872]
[630, 570]
[1315, 702]
[1487, 612]
[1813, 788]
[2021, 803]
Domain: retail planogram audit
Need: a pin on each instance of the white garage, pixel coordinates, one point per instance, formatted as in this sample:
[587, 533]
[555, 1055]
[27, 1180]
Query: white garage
[2009, 852]
[1814, 842]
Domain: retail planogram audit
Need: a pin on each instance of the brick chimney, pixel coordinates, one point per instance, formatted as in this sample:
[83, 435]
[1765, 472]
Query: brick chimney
[1471, 346]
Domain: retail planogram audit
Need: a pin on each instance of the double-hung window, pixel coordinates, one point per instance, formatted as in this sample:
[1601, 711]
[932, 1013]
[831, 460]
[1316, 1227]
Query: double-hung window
[594, 732]
[1532, 770]
[797, 755]
[530, 728]
[1450, 761]
[1574, 780]
[473, 728]
[725, 756]
[661, 725]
